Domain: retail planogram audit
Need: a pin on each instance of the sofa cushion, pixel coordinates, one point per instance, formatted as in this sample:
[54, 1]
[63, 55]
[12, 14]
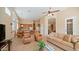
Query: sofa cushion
[67, 38]
[74, 39]
[60, 36]
[53, 34]
[51, 37]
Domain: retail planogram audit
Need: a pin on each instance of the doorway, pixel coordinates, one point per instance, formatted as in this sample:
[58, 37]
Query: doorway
[52, 25]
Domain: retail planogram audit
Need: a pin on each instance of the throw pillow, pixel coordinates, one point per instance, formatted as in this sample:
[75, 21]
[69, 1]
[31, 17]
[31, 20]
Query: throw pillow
[67, 38]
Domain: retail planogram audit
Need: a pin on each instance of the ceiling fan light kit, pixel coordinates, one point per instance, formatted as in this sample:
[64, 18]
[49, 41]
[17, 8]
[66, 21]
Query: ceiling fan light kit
[50, 11]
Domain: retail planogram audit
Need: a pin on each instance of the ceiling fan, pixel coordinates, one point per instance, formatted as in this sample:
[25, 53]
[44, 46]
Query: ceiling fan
[50, 11]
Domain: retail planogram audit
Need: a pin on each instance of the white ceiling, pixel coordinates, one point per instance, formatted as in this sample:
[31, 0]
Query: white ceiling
[33, 13]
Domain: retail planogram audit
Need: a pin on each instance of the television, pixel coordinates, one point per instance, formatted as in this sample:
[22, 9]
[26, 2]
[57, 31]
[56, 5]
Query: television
[2, 32]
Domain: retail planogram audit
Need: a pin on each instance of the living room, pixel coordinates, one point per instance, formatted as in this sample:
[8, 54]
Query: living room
[57, 27]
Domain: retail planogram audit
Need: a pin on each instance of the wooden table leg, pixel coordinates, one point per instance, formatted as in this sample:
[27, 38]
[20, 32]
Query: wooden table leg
[9, 45]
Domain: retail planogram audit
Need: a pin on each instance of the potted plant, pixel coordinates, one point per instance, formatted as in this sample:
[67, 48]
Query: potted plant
[41, 45]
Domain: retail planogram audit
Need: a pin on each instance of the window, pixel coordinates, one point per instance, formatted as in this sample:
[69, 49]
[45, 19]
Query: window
[14, 25]
[7, 11]
[69, 26]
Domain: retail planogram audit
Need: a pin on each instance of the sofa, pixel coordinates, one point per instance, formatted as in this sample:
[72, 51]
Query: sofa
[64, 41]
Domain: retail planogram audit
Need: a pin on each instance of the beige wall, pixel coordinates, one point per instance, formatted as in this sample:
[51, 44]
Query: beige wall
[25, 21]
[5, 19]
[67, 13]
[44, 25]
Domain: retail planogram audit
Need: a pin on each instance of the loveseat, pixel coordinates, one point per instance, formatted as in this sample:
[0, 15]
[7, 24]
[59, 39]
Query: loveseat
[27, 37]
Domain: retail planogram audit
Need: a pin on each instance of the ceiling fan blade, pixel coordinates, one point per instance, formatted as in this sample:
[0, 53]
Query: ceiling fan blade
[50, 12]
[54, 11]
